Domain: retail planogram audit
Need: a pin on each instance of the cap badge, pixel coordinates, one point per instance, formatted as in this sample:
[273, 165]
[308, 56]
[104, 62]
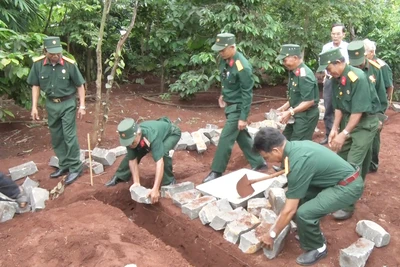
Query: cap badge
[217, 40]
[123, 135]
[356, 53]
[54, 42]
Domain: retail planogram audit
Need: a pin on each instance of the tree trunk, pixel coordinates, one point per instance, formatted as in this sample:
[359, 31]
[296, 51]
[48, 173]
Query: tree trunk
[162, 77]
[110, 78]
[88, 72]
[106, 10]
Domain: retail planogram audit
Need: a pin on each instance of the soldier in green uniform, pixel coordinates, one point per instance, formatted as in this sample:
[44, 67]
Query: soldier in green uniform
[59, 78]
[355, 102]
[237, 93]
[387, 77]
[303, 95]
[319, 182]
[155, 137]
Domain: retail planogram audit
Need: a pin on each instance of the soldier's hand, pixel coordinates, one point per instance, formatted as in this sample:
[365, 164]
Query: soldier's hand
[268, 242]
[242, 125]
[81, 113]
[154, 194]
[338, 142]
[221, 102]
[285, 116]
[35, 114]
[331, 136]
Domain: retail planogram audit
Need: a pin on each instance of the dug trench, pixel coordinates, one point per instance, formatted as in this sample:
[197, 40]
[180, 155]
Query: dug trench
[198, 244]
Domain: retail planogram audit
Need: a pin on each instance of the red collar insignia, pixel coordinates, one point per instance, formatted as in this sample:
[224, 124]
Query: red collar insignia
[343, 80]
[297, 73]
[45, 61]
[61, 62]
[142, 143]
[231, 62]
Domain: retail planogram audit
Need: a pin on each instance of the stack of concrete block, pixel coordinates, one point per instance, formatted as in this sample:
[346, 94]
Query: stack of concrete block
[7, 210]
[22, 170]
[38, 198]
[264, 123]
[211, 210]
[235, 229]
[168, 191]
[103, 156]
[249, 243]
[28, 185]
[373, 232]
[185, 197]
[279, 182]
[199, 141]
[277, 198]
[255, 205]
[193, 208]
[140, 194]
[279, 242]
[186, 142]
[220, 221]
[267, 216]
[119, 151]
[357, 254]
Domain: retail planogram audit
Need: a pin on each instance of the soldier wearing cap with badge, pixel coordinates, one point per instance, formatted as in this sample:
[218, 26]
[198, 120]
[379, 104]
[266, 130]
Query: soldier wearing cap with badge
[237, 93]
[355, 123]
[157, 137]
[372, 69]
[59, 78]
[303, 96]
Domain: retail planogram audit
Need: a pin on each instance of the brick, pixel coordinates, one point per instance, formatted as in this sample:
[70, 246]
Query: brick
[7, 211]
[254, 205]
[82, 155]
[264, 123]
[252, 131]
[373, 232]
[193, 208]
[23, 170]
[97, 167]
[28, 185]
[103, 156]
[119, 151]
[185, 197]
[357, 254]
[215, 140]
[220, 221]
[139, 194]
[209, 133]
[277, 199]
[205, 138]
[186, 142]
[279, 243]
[249, 243]
[200, 145]
[38, 198]
[268, 216]
[53, 162]
[168, 191]
[396, 106]
[278, 182]
[273, 115]
[235, 229]
[211, 126]
[209, 211]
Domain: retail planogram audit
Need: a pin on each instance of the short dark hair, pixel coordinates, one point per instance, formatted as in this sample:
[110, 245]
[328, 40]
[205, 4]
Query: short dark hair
[339, 24]
[268, 138]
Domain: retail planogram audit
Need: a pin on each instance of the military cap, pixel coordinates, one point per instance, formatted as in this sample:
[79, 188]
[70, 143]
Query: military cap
[356, 52]
[289, 50]
[328, 57]
[53, 44]
[223, 41]
[127, 130]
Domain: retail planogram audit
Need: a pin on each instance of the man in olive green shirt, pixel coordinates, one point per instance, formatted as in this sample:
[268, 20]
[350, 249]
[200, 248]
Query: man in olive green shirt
[387, 77]
[237, 93]
[303, 97]
[355, 102]
[59, 78]
[319, 182]
[155, 137]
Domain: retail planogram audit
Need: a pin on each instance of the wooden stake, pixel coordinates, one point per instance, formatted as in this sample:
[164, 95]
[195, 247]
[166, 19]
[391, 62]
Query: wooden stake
[90, 160]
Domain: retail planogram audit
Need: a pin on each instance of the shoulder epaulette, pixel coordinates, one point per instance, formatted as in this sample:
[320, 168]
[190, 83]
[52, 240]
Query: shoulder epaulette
[353, 77]
[375, 64]
[381, 62]
[36, 59]
[69, 60]
[239, 65]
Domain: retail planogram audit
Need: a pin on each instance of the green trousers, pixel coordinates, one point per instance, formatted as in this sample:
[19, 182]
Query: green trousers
[304, 126]
[124, 173]
[319, 203]
[230, 133]
[62, 125]
[376, 145]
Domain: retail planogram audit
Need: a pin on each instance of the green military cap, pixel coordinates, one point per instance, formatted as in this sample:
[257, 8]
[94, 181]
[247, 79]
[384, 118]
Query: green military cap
[356, 52]
[53, 44]
[328, 57]
[223, 41]
[127, 130]
[289, 50]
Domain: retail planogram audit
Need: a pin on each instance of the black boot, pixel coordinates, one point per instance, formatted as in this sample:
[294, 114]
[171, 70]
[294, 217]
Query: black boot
[58, 173]
[211, 176]
[311, 257]
[113, 181]
[72, 176]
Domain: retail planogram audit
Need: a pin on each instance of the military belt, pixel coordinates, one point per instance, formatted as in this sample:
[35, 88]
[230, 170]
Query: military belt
[350, 179]
[61, 99]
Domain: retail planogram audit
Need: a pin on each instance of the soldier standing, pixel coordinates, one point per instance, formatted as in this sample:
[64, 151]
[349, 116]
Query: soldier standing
[59, 78]
[237, 94]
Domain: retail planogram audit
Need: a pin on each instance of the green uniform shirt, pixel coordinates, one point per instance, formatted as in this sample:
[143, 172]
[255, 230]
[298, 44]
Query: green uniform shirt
[155, 132]
[237, 83]
[374, 74]
[313, 166]
[302, 86]
[352, 93]
[387, 73]
[59, 80]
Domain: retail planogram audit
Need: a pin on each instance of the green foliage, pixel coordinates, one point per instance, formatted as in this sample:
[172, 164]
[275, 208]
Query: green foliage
[190, 83]
[11, 13]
